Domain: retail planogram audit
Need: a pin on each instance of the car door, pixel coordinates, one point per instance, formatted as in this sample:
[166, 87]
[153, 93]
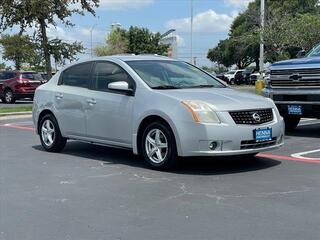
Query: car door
[109, 112]
[70, 99]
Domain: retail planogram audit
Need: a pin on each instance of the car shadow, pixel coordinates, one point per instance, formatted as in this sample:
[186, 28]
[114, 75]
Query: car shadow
[190, 165]
[311, 131]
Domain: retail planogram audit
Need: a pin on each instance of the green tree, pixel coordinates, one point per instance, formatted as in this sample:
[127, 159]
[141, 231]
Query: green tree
[290, 26]
[142, 41]
[41, 14]
[17, 48]
[2, 66]
[231, 51]
[116, 43]
[135, 40]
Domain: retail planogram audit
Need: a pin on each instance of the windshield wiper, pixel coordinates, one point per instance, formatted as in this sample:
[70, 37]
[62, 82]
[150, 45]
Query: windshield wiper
[165, 87]
[203, 86]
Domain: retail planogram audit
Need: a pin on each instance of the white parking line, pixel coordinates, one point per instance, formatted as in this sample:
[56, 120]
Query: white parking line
[301, 154]
[307, 119]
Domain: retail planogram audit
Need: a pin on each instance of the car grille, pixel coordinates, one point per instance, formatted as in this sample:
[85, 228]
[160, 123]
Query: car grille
[296, 83]
[246, 117]
[252, 144]
[307, 71]
[307, 77]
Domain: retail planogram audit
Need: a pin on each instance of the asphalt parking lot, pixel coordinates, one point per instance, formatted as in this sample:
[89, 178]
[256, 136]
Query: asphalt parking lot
[95, 192]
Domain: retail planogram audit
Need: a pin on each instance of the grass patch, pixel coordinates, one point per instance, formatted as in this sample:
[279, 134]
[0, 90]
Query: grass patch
[16, 109]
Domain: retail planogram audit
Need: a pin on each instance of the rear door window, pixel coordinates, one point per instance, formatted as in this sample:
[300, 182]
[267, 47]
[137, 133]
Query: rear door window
[77, 76]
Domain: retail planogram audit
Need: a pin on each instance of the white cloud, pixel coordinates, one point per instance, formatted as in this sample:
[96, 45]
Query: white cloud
[59, 32]
[180, 41]
[208, 21]
[123, 4]
[238, 3]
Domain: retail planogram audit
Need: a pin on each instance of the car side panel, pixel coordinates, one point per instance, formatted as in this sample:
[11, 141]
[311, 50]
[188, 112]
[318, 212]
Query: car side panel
[164, 107]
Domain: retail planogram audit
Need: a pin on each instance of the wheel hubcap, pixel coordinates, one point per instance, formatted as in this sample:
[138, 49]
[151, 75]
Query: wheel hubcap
[156, 145]
[8, 96]
[47, 132]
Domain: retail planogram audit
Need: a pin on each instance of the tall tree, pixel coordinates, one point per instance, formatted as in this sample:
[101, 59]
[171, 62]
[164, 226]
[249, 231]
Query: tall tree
[41, 14]
[135, 40]
[17, 48]
[290, 26]
[117, 43]
[2, 66]
[142, 41]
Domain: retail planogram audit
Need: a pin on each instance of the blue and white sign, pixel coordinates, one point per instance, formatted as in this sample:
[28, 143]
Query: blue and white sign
[263, 134]
[295, 109]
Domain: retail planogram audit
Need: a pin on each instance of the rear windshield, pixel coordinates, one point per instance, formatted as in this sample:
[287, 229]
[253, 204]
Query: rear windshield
[32, 76]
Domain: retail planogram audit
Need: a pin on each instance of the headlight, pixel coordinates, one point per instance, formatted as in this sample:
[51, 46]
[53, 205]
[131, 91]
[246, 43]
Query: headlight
[201, 112]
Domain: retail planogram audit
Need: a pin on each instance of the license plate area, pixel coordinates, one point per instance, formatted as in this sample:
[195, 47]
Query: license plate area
[294, 109]
[262, 134]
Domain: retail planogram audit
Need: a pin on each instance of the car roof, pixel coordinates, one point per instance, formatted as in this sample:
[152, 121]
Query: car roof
[132, 57]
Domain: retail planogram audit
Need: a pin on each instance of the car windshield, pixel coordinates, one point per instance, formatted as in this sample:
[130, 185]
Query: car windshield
[315, 52]
[173, 74]
[231, 72]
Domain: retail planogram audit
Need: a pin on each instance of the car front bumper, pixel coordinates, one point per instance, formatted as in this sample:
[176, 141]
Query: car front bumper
[231, 139]
[308, 99]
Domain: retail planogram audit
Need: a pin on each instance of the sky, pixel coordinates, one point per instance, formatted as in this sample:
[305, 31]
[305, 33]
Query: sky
[212, 19]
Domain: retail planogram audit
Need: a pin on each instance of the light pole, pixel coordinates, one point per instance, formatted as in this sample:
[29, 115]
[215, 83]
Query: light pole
[262, 19]
[91, 45]
[191, 31]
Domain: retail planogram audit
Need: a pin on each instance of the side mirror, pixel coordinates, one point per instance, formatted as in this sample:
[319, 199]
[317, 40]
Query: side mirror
[120, 86]
[301, 54]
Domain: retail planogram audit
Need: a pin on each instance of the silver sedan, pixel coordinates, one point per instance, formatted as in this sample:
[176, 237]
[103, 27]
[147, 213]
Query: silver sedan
[159, 107]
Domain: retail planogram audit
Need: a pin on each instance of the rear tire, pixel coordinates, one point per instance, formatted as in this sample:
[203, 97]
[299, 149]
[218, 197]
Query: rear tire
[158, 146]
[50, 135]
[8, 96]
[291, 122]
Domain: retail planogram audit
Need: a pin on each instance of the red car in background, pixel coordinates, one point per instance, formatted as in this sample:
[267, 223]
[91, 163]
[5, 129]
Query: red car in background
[17, 85]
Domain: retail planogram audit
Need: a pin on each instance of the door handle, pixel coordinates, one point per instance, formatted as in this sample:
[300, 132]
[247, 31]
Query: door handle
[91, 101]
[59, 95]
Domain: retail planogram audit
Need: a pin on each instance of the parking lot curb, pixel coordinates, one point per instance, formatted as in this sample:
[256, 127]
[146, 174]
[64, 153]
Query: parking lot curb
[15, 115]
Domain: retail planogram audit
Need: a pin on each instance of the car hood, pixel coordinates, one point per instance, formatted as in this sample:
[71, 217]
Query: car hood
[298, 62]
[221, 99]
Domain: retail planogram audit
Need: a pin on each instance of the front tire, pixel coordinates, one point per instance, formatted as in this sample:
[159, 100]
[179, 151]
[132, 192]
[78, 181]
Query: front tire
[291, 122]
[159, 146]
[50, 135]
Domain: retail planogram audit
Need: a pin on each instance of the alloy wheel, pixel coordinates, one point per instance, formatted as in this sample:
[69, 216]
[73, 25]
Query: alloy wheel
[156, 145]
[48, 132]
[8, 96]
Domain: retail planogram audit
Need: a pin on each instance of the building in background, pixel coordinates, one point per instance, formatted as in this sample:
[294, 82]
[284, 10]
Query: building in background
[115, 26]
[171, 39]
